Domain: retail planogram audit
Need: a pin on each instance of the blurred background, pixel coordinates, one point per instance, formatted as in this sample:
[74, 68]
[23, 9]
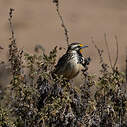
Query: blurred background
[36, 22]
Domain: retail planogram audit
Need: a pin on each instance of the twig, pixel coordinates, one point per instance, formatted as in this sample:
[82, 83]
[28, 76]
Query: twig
[99, 51]
[117, 51]
[10, 23]
[15, 55]
[126, 67]
[62, 21]
[106, 43]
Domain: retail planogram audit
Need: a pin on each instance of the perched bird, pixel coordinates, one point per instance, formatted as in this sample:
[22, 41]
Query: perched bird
[72, 62]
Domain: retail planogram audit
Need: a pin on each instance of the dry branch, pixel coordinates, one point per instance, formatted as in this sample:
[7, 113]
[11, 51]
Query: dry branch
[62, 21]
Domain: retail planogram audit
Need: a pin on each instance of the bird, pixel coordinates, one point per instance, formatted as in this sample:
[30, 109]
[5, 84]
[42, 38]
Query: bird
[72, 62]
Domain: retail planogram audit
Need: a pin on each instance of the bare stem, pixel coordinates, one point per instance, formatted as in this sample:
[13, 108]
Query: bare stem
[62, 21]
[117, 52]
[98, 50]
[15, 54]
[10, 23]
[106, 43]
[126, 67]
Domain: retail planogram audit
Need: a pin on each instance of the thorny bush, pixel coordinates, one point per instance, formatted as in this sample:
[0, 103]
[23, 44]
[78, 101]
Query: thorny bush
[35, 99]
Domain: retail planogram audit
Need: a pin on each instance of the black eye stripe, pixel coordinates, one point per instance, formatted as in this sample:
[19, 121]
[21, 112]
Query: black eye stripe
[76, 47]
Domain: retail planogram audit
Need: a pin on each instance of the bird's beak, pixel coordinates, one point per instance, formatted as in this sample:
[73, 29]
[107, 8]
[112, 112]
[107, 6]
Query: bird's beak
[83, 46]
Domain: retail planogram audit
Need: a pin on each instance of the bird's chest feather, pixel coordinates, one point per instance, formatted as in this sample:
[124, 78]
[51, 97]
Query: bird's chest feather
[73, 67]
[75, 64]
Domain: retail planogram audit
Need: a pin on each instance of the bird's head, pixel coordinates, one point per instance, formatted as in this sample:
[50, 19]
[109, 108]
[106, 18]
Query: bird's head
[76, 47]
